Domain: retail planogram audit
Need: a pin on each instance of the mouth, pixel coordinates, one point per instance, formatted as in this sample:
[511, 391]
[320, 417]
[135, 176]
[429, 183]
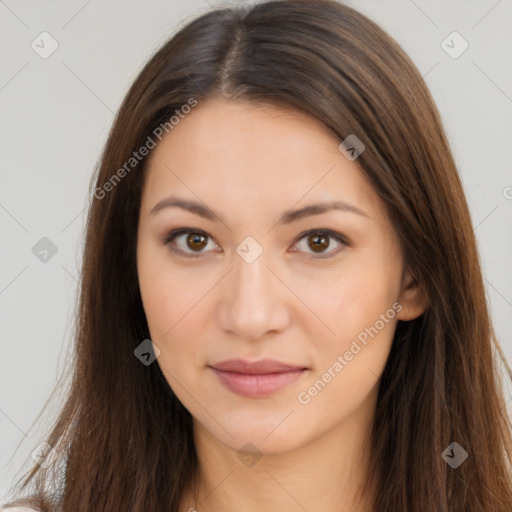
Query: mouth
[257, 379]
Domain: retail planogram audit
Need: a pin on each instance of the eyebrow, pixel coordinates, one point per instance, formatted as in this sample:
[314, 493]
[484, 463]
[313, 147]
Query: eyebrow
[286, 218]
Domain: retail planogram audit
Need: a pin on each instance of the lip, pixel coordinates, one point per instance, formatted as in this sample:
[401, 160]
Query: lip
[256, 379]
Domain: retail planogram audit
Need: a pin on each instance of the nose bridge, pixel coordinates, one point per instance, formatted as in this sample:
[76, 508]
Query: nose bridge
[251, 277]
[253, 302]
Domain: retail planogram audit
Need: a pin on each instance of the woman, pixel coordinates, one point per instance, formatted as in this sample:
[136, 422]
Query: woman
[282, 306]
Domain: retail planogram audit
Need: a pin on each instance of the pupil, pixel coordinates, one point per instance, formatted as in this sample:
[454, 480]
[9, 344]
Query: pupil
[195, 241]
[318, 246]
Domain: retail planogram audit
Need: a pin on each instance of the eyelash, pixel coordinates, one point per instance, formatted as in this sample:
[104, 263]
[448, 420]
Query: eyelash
[331, 234]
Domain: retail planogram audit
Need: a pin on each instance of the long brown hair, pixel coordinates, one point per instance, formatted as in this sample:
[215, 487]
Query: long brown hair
[124, 439]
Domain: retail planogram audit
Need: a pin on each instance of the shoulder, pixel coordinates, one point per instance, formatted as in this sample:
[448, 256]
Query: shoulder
[4, 508]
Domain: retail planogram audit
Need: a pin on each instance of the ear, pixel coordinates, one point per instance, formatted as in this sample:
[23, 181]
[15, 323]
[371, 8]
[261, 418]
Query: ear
[413, 299]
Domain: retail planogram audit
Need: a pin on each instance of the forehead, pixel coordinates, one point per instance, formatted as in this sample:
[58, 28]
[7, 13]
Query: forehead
[260, 152]
[244, 129]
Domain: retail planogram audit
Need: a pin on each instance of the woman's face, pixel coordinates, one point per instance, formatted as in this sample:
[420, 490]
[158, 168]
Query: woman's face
[259, 272]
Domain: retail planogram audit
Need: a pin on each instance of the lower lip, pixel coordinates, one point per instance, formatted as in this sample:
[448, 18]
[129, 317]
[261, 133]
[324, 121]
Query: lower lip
[257, 385]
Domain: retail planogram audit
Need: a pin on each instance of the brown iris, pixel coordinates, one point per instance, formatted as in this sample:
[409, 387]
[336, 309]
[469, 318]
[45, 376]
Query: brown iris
[196, 241]
[318, 242]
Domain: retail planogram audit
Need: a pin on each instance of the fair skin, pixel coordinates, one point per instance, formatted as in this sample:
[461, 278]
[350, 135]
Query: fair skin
[250, 164]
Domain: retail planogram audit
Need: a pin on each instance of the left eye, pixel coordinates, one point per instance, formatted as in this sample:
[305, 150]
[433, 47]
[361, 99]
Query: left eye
[196, 240]
[319, 242]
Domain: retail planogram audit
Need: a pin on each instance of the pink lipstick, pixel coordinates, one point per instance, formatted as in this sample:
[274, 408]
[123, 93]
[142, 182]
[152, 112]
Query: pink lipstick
[256, 379]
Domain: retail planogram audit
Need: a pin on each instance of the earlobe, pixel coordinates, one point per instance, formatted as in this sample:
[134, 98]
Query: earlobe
[413, 299]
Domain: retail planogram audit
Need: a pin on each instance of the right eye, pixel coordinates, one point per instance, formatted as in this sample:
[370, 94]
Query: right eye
[194, 240]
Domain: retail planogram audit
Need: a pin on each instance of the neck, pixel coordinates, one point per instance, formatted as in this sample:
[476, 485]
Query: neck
[325, 474]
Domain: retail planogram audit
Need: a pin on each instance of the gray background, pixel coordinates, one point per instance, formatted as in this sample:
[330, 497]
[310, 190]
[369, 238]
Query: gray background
[55, 117]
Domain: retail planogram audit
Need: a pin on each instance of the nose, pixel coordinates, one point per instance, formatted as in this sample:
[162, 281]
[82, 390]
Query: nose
[254, 300]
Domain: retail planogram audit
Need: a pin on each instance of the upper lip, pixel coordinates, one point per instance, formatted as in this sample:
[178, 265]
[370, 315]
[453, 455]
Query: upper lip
[257, 367]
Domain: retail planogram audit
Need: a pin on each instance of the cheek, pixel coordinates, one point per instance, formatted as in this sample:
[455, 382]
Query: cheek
[358, 308]
[169, 295]
[348, 364]
[174, 304]
[352, 297]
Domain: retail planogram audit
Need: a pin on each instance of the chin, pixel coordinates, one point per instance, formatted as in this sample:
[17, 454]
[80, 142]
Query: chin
[271, 434]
